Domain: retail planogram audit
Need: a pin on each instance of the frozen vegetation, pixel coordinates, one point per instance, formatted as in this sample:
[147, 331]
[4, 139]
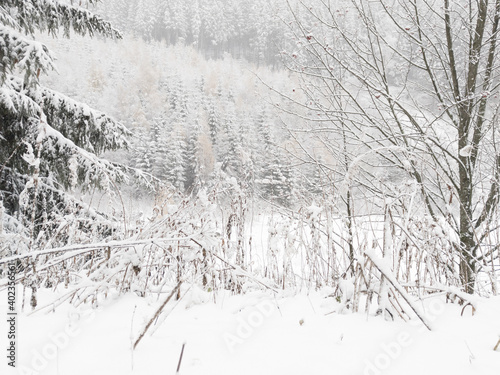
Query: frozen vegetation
[249, 187]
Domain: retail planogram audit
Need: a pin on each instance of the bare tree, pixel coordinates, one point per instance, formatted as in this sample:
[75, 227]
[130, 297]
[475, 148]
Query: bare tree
[410, 86]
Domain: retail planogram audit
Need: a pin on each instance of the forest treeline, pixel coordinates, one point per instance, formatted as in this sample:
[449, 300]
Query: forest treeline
[245, 28]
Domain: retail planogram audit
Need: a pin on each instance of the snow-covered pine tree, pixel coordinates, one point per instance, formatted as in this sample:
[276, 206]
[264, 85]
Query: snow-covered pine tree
[176, 157]
[159, 147]
[229, 141]
[144, 18]
[275, 182]
[274, 178]
[248, 151]
[195, 22]
[213, 122]
[143, 151]
[48, 142]
[193, 167]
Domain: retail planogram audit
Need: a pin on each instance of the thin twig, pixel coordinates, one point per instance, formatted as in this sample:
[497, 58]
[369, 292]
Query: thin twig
[497, 345]
[180, 358]
[157, 314]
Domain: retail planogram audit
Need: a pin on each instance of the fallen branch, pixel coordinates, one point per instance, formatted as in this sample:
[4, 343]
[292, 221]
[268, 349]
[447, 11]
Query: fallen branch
[157, 314]
[385, 271]
[180, 359]
[496, 346]
[449, 290]
[82, 249]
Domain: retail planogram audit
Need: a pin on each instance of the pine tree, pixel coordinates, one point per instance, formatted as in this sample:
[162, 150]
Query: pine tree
[195, 21]
[144, 18]
[249, 151]
[143, 152]
[213, 123]
[229, 143]
[275, 182]
[48, 142]
[192, 168]
[176, 158]
[159, 148]
[275, 178]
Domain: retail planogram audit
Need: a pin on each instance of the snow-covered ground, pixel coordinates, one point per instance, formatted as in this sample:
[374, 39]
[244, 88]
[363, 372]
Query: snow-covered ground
[256, 333]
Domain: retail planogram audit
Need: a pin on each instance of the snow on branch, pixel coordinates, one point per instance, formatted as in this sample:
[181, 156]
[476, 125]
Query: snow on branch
[16, 102]
[385, 270]
[29, 56]
[74, 250]
[47, 184]
[6, 18]
[87, 128]
[142, 178]
[95, 169]
[53, 15]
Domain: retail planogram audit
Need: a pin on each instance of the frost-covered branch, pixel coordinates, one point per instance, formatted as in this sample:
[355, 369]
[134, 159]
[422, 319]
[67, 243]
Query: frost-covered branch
[54, 15]
[31, 57]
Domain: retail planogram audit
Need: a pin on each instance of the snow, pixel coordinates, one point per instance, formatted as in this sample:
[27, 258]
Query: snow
[314, 210]
[466, 151]
[25, 54]
[29, 157]
[283, 320]
[257, 333]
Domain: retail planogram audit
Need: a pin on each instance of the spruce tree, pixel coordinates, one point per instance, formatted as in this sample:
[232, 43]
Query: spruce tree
[49, 143]
[193, 167]
[143, 151]
[213, 123]
[175, 161]
[159, 135]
